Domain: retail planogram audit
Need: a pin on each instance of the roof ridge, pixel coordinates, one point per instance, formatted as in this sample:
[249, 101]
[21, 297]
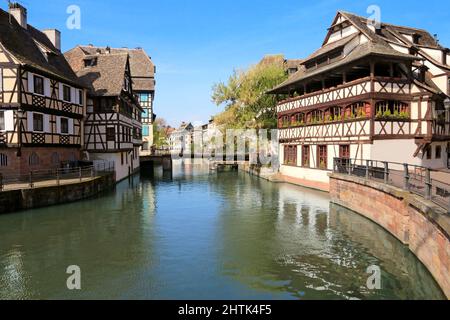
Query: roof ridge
[383, 23]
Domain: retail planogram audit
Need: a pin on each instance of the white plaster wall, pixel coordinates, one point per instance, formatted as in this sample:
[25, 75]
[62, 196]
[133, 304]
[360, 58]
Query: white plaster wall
[305, 173]
[396, 150]
[434, 162]
[121, 170]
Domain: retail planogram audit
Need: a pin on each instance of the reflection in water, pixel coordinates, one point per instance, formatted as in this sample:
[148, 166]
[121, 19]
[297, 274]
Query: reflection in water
[206, 235]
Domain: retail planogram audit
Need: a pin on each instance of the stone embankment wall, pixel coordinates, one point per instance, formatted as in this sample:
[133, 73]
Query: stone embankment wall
[16, 200]
[418, 223]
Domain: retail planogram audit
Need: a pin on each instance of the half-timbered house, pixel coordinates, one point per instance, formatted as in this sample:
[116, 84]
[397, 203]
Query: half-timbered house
[371, 91]
[143, 72]
[112, 128]
[41, 99]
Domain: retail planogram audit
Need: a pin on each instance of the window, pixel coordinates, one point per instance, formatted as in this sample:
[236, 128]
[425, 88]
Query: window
[38, 85]
[106, 105]
[38, 122]
[290, 155]
[80, 97]
[392, 110]
[34, 159]
[143, 97]
[322, 157]
[110, 134]
[66, 93]
[145, 113]
[3, 160]
[90, 62]
[438, 152]
[305, 156]
[428, 152]
[64, 125]
[344, 151]
[2, 121]
[145, 131]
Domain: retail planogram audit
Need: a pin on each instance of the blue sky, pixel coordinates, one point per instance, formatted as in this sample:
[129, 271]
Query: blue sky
[195, 43]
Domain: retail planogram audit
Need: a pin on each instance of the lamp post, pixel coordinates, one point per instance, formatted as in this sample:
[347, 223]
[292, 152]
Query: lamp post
[447, 108]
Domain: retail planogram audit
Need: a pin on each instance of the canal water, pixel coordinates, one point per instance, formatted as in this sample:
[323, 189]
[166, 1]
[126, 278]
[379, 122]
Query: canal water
[204, 235]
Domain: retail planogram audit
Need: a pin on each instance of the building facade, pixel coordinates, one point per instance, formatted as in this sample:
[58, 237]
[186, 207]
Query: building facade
[370, 92]
[112, 128]
[143, 72]
[42, 102]
[181, 140]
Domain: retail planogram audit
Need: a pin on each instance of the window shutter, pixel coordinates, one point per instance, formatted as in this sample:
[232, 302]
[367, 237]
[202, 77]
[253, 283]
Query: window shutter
[47, 123]
[30, 121]
[58, 125]
[30, 82]
[9, 120]
[73, 95]
[61, 93]
[70, 126]
[47, 90]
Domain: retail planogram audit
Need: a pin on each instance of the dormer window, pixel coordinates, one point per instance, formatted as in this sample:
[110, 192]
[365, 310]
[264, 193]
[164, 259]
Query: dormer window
[416, 38]
[38, 85]
[90, 62]
[127, 84]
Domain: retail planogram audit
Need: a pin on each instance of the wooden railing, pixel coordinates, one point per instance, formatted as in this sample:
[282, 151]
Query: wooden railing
[441, 128]
[348, 90]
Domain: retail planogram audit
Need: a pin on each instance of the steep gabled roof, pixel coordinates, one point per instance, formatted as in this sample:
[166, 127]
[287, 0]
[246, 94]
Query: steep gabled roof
[361, 51]
[23, 44]
[376, 46]
[106, 77]
[141, 66]
[425, 38]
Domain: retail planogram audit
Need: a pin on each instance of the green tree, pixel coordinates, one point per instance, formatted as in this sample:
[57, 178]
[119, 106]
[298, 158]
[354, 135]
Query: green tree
[160, 133]
[244, 95]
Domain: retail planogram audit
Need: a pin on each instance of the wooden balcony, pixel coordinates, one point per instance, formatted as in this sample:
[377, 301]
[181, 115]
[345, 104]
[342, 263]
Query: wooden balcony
[440, 128]
[340, 94]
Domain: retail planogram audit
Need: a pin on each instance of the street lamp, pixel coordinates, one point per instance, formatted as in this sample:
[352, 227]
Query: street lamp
[447, 104]
[447, 108]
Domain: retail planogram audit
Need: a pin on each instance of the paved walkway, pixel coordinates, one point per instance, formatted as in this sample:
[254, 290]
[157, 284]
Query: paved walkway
[44, 184]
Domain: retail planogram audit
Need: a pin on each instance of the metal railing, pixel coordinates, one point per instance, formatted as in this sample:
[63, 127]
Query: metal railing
[53, 177]
[411, 178]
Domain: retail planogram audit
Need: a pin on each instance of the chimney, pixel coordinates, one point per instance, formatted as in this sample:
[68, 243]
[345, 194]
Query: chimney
[108, 50]
[54, 36]
[19, 13]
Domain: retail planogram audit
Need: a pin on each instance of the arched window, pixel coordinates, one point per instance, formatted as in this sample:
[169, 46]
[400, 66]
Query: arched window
[392, 110]
[316, 116]
[333, 114]
[55, 159]
[3, 160]
[357, 110]
[34, 159]
[298, 119]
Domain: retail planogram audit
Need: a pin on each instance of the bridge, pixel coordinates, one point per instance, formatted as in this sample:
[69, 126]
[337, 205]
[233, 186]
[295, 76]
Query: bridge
[158, 156]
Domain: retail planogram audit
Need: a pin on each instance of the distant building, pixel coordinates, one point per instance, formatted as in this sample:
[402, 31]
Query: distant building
[181, 139]
[42, 102]
[113, 129]
[370, 92]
